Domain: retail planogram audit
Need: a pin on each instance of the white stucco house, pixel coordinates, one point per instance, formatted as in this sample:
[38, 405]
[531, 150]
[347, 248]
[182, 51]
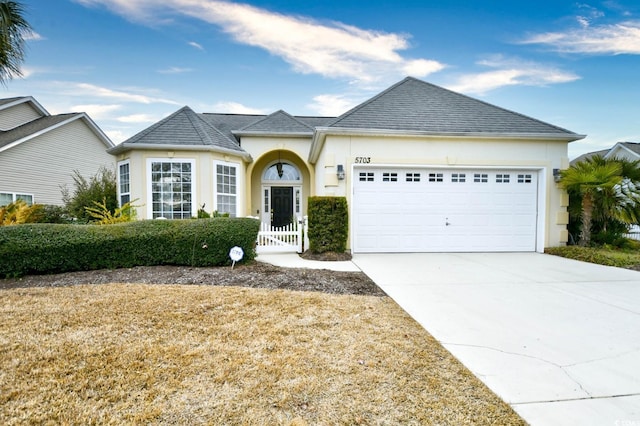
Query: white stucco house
[423, 169]
[39, 151]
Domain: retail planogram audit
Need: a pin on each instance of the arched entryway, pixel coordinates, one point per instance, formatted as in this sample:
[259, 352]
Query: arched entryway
[281, 194]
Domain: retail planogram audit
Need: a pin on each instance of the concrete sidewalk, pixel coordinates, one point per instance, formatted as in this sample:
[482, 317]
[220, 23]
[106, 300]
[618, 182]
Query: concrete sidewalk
[293, 260]
[559, 340]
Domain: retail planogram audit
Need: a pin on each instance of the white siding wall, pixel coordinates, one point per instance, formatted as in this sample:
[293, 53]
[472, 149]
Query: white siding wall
[40, 166]
[17, 116]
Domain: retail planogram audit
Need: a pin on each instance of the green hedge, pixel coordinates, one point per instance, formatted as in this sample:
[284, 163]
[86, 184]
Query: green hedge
[328, 224]
[53, 248]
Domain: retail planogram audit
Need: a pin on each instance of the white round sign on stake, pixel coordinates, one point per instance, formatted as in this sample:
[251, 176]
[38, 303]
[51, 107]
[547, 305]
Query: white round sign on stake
[236, 254]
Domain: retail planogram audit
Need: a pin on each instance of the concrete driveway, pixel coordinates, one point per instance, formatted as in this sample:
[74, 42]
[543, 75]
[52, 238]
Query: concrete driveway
[559, 340]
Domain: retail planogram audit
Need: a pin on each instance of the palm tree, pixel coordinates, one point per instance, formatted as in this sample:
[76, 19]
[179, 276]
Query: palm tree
[13, 28]
[608, 189]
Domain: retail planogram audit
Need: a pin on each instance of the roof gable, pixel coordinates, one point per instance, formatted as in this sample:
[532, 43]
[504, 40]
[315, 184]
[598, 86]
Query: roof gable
[32, 129]
[627, 149]
[183, 127]
[10, 102]
[414, 105]
[277, 123]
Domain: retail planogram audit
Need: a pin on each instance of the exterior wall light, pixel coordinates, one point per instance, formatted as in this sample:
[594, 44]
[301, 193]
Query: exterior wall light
[556, 175]
[340, 172]
[279, 166]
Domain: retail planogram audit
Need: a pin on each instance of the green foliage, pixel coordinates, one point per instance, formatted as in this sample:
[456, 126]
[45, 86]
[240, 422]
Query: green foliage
[102, 216]
[13, 29]
[604, 197]
[87, 192]
[328, 224]
[54, 248]
[609, 256]
[202, 213]
[54, 214]
[19, 212]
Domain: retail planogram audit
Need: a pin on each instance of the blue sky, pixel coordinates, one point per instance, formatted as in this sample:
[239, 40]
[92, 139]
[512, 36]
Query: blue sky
[129, 63]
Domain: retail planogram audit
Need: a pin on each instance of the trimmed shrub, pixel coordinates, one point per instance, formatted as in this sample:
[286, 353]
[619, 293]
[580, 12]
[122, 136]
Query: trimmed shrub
[328, 224]
[54, 248]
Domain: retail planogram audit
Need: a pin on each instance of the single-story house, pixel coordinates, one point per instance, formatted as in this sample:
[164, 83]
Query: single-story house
[423, 169]
[39, 151]
[625, 150]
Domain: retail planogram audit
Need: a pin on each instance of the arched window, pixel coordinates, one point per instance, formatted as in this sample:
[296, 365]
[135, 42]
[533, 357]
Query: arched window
[289, 173]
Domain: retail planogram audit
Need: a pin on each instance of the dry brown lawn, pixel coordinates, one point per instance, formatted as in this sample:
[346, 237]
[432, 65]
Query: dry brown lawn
[177, 354]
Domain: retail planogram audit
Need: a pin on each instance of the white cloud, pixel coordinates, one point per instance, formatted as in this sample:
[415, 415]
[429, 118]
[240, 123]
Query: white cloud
[138, 118]
[33, 36]
[116, 136]
[510, 72]
[612, 39]
[332, 105]
[175, 70]
[196, 45]
[91, 90]
[332, 50]
[96, 111]
[236, 108]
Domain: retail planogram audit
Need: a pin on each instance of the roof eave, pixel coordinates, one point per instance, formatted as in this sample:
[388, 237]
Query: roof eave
[124, 147]
[30, 99]
[272, 134]
[322, 132]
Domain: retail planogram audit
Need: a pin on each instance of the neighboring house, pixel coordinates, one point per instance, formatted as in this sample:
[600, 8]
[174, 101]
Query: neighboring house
[424, 169]
[39, 151]
[625, 150]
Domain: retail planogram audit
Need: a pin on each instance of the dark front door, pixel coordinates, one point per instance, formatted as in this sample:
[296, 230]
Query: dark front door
[281, 205]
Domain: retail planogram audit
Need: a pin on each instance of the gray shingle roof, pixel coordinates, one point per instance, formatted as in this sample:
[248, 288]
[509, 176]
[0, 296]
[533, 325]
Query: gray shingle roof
[414, 105]
[32, 127]
[278, 122]
[633, 146]
[184, 127]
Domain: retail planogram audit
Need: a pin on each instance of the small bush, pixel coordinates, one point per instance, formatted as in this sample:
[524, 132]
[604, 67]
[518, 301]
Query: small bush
[328, 224]
[103, 216]
[20, 212]
[54, 214]
[101, 186]
[53, 248]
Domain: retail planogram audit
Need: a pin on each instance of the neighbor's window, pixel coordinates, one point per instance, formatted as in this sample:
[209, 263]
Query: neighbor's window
[172, 189]
[226, 188]
[124, 180]
[12, 197]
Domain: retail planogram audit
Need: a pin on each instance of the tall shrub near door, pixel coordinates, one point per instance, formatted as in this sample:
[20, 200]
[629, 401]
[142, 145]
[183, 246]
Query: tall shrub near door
[328, 224]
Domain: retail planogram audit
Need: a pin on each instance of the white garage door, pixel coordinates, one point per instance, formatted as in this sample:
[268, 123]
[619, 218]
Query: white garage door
[444, 210]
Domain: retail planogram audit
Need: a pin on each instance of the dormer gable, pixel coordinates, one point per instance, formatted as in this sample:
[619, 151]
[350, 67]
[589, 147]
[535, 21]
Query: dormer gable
[15, 112]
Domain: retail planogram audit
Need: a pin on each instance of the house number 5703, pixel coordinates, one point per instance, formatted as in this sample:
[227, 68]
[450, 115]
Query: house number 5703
[363, 160]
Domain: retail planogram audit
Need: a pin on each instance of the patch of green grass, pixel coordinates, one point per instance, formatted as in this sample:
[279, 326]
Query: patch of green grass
[605, 255]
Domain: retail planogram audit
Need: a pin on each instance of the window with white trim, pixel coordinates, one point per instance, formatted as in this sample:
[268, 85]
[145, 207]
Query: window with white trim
[389, 177]
[11, 197]
[413, 177]
[524, 178]
[436, 177]
[124, 182]
[365, 176]
[458, 177]
[480, 177]
[501, 178]
[172, 189]
[226, 188]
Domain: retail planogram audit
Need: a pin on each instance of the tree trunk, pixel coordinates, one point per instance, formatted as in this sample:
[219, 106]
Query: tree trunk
[587, 215]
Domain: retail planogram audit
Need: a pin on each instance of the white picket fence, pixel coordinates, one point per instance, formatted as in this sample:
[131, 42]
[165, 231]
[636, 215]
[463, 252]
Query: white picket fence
[290, 238]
